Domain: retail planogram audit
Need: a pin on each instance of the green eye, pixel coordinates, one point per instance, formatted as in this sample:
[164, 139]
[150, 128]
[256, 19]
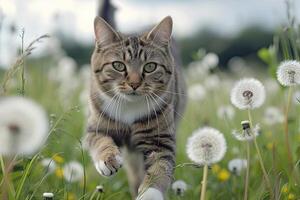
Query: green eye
[150, 67]
[119, 66]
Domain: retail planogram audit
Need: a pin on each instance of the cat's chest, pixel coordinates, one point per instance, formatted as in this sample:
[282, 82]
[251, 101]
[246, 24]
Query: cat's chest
[128, 111]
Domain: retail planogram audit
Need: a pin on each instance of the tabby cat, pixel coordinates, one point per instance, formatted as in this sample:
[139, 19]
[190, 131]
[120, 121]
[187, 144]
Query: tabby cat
[136, 99]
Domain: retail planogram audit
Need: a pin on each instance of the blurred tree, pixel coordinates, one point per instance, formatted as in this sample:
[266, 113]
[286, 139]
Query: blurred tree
[245, 44]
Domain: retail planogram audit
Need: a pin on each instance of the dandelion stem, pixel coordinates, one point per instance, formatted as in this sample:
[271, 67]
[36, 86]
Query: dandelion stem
[266, 177]
[286, 128]
[247, 172]
[204, 182]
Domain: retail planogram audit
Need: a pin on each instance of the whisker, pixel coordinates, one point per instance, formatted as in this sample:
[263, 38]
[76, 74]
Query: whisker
[104, 110]
[160, 108]
[167, 103]
[148, 107]
[170, 92]
[155, 117]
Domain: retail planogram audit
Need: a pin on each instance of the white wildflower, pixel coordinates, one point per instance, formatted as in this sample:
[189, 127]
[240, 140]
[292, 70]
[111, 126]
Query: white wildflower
[248, 93]
[247, 133]
[73, 171]
[237, 65]
[65, 70]
[206, 146]
[273, 116]
[210, 60]
[288, 73]
[49, 164]
[212, 82]
[23, 126]
[226, 112]
[179, 187]
[236, 166]
[196, 92]
[271, 85]
[196, 69]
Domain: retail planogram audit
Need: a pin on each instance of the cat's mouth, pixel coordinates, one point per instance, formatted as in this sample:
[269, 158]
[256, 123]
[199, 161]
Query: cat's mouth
[133, 96]
[133, 93]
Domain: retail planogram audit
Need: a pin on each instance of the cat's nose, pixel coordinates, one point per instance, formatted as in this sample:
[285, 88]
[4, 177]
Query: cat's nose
[135, 85]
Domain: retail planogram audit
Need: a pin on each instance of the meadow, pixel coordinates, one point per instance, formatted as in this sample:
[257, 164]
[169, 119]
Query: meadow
[56, 83]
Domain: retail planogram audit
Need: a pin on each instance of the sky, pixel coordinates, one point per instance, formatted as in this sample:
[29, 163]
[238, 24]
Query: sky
[75, 17]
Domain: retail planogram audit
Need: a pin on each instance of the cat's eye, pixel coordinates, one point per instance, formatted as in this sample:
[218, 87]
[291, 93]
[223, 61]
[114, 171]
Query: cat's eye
[119, 66]
[150, 67]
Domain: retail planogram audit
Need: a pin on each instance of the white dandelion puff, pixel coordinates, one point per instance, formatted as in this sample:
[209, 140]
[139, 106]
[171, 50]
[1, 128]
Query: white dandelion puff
[271, 85]
[246, 134]
[212, 82]
[288, 73]
[179, 187]
[210, 60]
[273, 115]
[196, 92]
[48, 196]
[236, 166]
[206, 146]
[73, 171]
[248, 93]
[49, 164]
[196, 69]
[226, 112]
[23, 126]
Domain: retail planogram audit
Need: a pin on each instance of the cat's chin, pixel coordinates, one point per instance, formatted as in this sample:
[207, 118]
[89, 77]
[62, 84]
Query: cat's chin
[133, 98]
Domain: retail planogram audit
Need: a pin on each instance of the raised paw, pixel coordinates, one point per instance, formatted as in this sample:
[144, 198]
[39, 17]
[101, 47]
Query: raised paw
[109, 165]
[150, 194]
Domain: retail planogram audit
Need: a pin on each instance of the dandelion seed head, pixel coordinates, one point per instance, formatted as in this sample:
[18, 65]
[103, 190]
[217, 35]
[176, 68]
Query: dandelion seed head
[197, 92]
[271, 85]
[212, 82]
[23, 126]
[246, 134]
[206, 146]
[210, 60]
[272, 116]
[237, 165]
[248, 93]
[179, 187]
[288, 73]
[226, 112]
[49, 164]
[73, 171]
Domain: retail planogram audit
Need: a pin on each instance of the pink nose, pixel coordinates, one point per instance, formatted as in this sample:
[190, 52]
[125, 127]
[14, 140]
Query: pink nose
[135, 85]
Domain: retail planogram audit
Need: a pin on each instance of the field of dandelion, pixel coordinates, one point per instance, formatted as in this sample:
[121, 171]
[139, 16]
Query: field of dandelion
[62, 91]
[63, 167]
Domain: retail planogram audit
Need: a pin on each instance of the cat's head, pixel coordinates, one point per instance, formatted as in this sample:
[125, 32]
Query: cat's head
[132, 67]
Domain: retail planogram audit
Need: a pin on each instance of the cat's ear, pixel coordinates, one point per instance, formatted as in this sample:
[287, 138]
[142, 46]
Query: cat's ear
[161, 33]
[104, 33]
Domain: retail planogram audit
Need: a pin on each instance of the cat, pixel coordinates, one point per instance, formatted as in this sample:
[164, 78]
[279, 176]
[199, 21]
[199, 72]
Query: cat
[137, 97]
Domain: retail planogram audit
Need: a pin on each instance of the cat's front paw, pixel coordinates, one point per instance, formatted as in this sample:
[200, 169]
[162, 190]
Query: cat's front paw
[109, 164]
[150, 194]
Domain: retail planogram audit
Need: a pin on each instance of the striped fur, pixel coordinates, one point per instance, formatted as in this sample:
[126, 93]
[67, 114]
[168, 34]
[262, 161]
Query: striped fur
[144, 120]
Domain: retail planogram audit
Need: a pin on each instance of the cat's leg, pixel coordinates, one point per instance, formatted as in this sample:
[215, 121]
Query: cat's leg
[159, 159]
[134, 166]
[104, 153]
